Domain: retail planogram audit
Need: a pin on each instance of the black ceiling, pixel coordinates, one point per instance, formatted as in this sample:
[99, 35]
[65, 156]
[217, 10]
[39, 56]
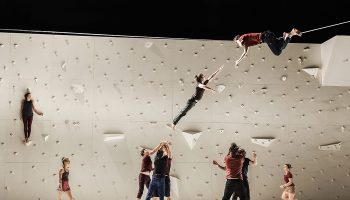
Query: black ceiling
[204, 19]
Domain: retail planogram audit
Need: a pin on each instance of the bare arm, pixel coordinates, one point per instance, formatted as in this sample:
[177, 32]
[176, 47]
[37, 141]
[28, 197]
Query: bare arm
[290, 182]
[245, 52]
[221, 167]
[215, 73]
[254, 161]
[168, 150]
[36, 111]
[206, 87]
[60, 177]
[156, 148]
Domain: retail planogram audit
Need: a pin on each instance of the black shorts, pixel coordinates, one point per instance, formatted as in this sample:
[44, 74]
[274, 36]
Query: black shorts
[167, 188]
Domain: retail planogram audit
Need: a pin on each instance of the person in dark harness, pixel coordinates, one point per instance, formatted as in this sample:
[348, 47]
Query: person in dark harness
[27, 108]
[275, 44]
[63, 186]
[201, 87]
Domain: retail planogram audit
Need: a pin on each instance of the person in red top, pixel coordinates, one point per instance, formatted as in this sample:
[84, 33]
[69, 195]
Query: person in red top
[146, 168]
[288, 187]
[234, 178]
[275, 44]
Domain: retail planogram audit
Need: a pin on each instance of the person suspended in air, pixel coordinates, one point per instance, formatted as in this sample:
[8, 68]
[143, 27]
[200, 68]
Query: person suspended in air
[276, 44]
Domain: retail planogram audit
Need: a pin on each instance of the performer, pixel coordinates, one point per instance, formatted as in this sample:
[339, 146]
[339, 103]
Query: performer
[200, 88]
[64, 180]
[288, 187]
[167, 176]
[275, 44]
[234, 179]
[158, 178]
[27, 108]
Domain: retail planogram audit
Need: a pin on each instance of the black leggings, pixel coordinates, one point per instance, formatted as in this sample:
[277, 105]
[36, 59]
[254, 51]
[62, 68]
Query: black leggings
[27, 122]
[276, 44]
[190, 104]
[143, 180]
[234, 186]
[246, 190]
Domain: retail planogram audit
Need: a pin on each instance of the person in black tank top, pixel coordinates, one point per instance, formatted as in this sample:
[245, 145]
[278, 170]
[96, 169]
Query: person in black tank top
[27, 109]
[158, 178]
[201, 87]
[64, 180]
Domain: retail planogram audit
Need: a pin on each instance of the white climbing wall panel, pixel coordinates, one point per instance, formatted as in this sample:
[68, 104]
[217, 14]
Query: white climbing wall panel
[90, 86]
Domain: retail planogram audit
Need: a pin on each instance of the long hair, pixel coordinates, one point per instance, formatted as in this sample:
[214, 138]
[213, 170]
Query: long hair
[26, 95]
[199, 78]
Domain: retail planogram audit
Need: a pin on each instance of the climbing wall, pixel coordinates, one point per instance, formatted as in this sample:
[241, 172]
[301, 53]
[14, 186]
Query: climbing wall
[103, 98]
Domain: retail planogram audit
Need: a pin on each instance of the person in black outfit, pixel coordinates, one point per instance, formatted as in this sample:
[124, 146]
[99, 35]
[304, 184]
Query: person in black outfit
[167, 176]
[27, 108]
[201, 87]
[158, 178]
[246, 164]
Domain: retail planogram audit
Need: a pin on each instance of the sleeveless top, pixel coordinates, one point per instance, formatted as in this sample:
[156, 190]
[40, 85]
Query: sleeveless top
[27, 108]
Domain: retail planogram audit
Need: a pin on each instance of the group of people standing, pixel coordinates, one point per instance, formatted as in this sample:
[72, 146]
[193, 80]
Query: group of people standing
[159, 185]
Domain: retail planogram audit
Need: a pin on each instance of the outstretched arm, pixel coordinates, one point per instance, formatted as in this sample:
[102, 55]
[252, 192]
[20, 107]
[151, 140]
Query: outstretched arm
[206, 87]
[254, 161]
[36, 111]
[167, 147]
[215, 73]
[156, 148]
[221, 167]
[245, 52]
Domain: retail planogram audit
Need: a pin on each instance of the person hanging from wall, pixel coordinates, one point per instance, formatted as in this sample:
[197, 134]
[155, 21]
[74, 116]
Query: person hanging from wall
[275, 44]
[64, 180]
[288, 187]
[146, 168]
[234, 180]
[158, 178]
[27, 108]
[245, 167]
[167, 175]
[202, 82]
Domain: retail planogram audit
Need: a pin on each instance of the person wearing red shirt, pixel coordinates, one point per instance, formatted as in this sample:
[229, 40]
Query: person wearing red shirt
[288, 187]
[275, 44]
[234, 178]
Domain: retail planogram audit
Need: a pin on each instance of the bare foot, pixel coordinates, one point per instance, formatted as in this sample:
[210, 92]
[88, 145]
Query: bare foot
[172, 126]
[295, 32]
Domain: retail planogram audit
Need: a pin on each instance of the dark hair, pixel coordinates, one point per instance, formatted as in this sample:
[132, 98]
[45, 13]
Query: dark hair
[64, 159]
[199, 77]
[288, 166]
[26, 95]
[233, 149]
[236, 37]
[159, 154]
[143, 152]
[242, 152]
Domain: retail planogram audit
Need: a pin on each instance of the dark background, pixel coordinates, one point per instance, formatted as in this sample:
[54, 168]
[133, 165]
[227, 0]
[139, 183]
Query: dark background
[205, 19]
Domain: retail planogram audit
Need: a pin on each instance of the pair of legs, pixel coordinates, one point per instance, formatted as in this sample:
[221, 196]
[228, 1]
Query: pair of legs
[166, 189]
[69, 194]
[278, 44]
[190, 104]
[289, 193]
[157, 183]
[234, 186]
[246, 190]
[27, 123]
[143, 180]
[65, 189]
